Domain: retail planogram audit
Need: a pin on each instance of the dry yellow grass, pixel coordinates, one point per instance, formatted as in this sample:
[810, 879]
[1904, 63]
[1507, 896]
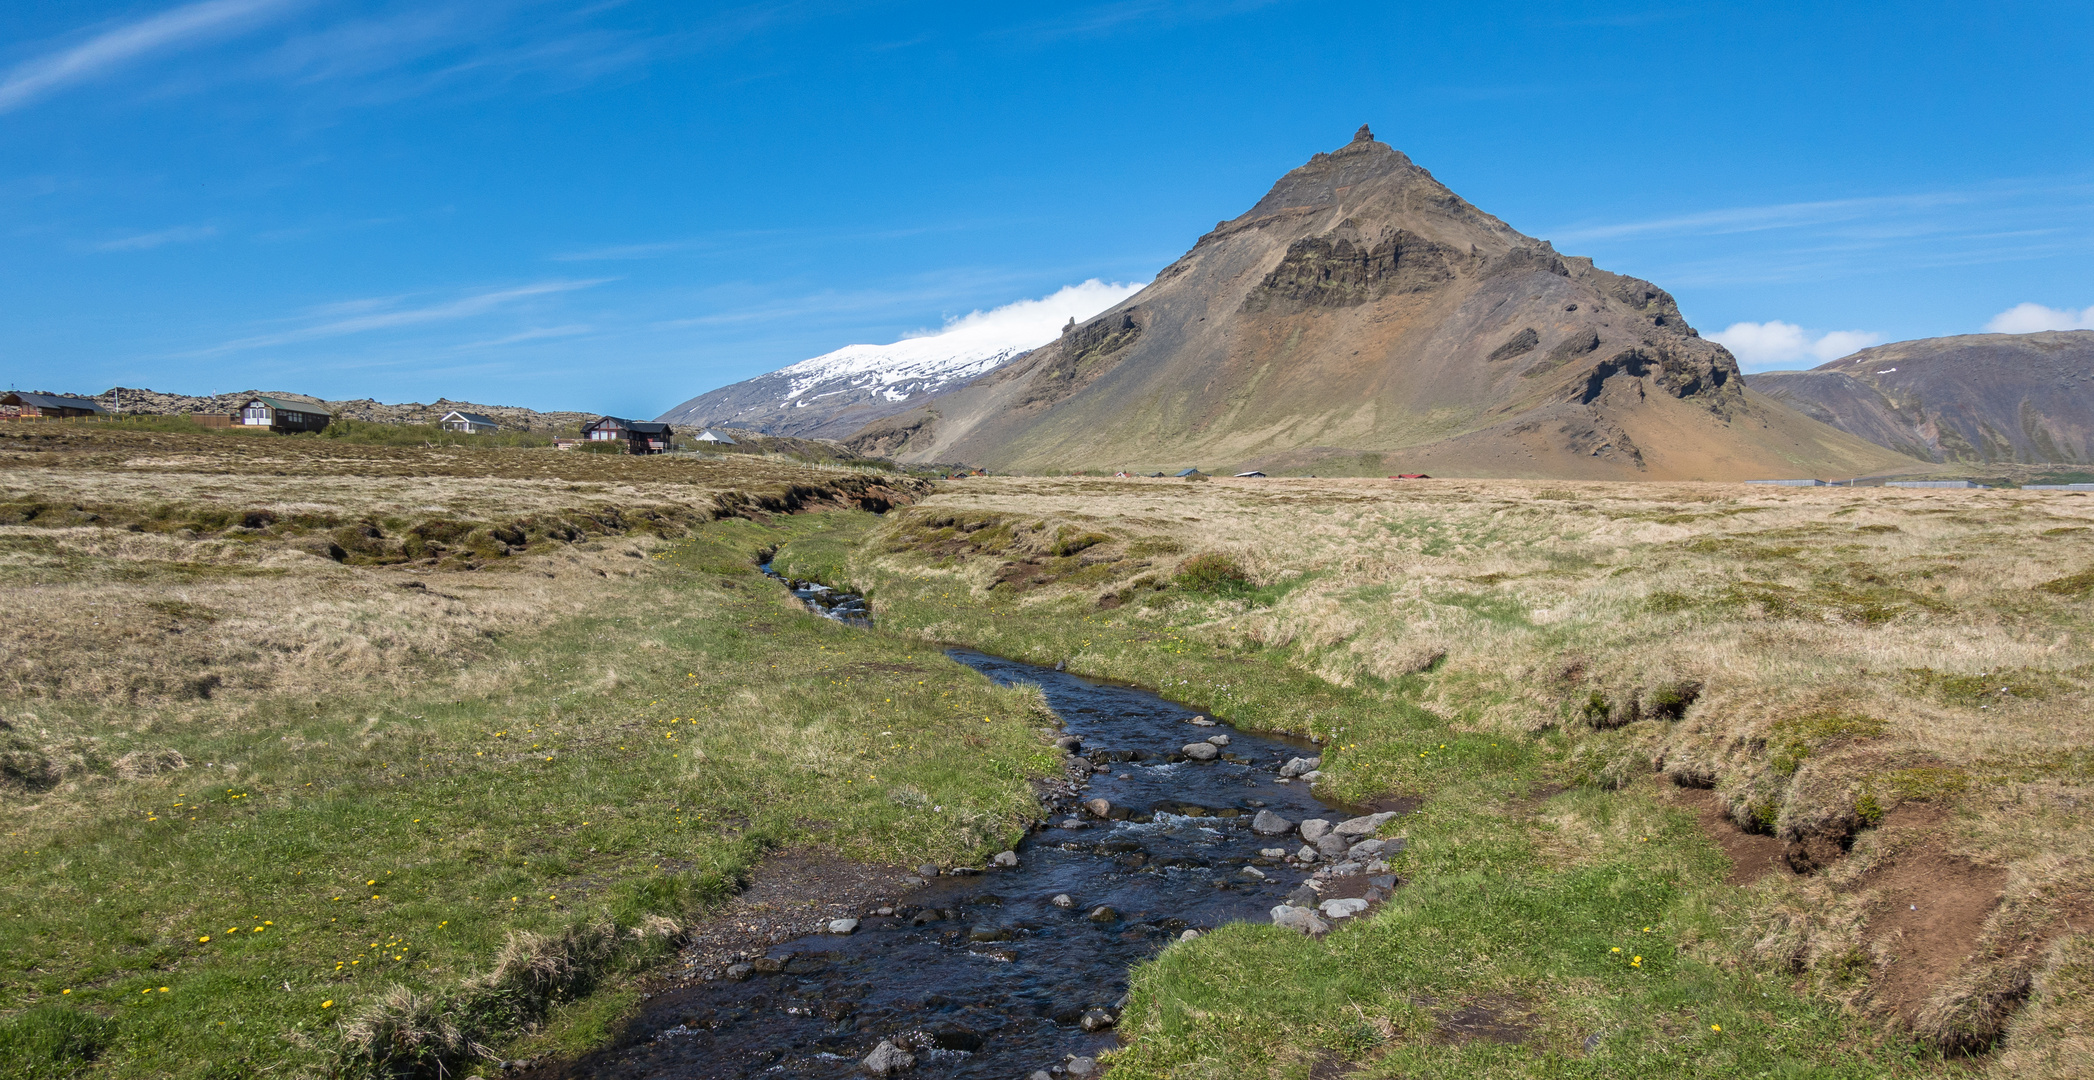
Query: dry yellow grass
[1827, 660]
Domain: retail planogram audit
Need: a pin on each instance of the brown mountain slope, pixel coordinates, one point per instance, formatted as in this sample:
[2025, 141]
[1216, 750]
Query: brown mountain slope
[1361, 317]
[1974, 398]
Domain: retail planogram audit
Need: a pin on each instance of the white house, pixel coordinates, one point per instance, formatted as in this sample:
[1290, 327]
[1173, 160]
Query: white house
[469, 423]
[711, 436]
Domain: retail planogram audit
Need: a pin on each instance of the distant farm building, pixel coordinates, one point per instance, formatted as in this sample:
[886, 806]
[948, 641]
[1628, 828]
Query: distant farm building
[711, 436]
[1933, 484]
[284, 414]
[1252, 473]
[469, 423]
[1790, 483]
[639, 437]
[49, 406]
[2057, 487]
[1192, 474]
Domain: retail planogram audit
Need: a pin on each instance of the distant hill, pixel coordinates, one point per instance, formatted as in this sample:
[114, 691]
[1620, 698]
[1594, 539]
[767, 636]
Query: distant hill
[140, 400]
[1969, 399]
[1361, 318]
[837, 393]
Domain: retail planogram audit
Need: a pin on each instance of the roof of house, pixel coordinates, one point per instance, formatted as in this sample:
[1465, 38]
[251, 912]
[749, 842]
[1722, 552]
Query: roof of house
[1253, 472]
[1190, 472]
[646, 428]
[53, 401]
[709, 435]
[472, 418]
[287, 404]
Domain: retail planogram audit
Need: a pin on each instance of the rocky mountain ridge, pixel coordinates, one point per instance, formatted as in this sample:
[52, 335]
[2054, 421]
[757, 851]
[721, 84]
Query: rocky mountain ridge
[1361, 317]
[1968, 399]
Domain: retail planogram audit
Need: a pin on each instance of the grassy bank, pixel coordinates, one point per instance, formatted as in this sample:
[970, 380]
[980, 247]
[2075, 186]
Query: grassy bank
[429, 808]
[1759, 724]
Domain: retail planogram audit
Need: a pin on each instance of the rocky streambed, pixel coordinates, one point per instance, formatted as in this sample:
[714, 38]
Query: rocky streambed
[1165, 824]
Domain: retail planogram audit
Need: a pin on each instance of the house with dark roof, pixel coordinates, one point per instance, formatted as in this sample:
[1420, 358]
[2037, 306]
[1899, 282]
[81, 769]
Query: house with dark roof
[639, 436]
[283, 414]
[50, 406]
[468, 423]
[711, 436]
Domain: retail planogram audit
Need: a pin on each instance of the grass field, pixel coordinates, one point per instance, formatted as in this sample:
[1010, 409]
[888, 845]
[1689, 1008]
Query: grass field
[268, 809]
[380, 758]
[1868, 696]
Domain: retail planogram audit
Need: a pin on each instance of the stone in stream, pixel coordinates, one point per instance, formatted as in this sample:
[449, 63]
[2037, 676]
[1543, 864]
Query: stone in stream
[1200, 751]
[770, 965]
[1069, 742]
[1273, 852]
[1299, 918]
[1081, 1066]
[1252, 872]
[843, 926]
[888, 1058]
[1006, 858]
[1362, 826]
[1103, 914]
[1188, 935]
[738, 972]
[1267, 823]
[929, 870]
[1063, 901]
[1218, 740]
[1313, 829]
[1098, 1020]
[1042, 1074]
[1306, 854]
[1332, 845]
[1101, 808]
[1300, 765]
[988, 933]
[1342, 909]
[1304, 896]
[1201, 721]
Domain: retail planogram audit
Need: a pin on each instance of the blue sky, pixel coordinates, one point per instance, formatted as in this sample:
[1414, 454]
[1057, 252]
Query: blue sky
[614, 206]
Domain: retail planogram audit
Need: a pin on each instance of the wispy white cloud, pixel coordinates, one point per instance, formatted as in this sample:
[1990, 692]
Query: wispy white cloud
[1035, 320]
[147, 241]
[1768, 345]
[2034, 318]
[130, 41]
[381, 315]
[1740, 219]
[1112, 17]
[533, 334]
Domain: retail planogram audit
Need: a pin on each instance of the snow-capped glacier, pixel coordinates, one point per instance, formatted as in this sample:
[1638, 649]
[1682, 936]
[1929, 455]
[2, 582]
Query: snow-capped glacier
[836, 393]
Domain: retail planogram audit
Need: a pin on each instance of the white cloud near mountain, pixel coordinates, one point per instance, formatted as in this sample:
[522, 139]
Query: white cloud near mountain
[2034, 318]
[1772, 344]
[1035, 321]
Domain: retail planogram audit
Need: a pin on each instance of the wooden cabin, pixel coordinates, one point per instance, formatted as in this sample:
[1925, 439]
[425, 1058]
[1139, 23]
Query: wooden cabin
[283, 414]
[468, 423]
[639, 436]
[49, 406]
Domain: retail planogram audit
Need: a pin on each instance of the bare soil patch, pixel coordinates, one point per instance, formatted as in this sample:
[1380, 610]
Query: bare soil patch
[1933, 911]
[1752, 855]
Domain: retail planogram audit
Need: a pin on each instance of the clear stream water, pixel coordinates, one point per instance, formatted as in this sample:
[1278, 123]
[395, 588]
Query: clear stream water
[983, 975]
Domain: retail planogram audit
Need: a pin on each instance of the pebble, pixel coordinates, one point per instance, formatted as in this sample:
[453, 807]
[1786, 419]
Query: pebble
[1304, 896]
[1306, 854]
[1201, 721]
[1273, 852]
[1103, 914]
[1299, 918]
[929, 870]
[1063, 901]
[888, 1058]
[770, 965]
[1188, 935]
[988, 933]
[1314, 829]
[1267, 823]
[1342, 909]
[1332, 846]
[1098, 1020]
[1006, 858]
[883, 911]
[1312, 776]
[1200, 751]
[1300, 765]
[1081, 1066]
[843, 926]
[1101, 808]
[1384, 882]
[1071, 823]
[1252, 872]
[1040, 1074]
[740, 971]
[1218, 740]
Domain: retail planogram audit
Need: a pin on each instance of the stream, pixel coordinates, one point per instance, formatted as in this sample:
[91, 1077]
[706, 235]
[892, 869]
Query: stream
[983, 973]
